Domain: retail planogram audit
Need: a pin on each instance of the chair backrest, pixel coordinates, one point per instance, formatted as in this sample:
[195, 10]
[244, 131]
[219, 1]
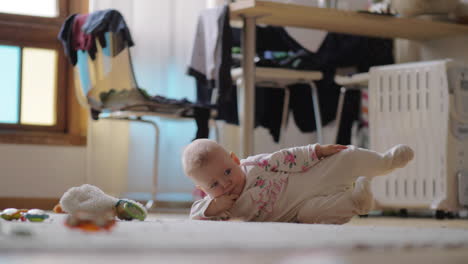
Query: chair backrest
[101, 84]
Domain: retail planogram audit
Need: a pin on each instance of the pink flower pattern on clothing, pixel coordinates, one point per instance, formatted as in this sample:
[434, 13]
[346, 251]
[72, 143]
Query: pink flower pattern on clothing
[270, 188]
[290, 158]
[267, 197]
[263, 164]
[260, 182]
[274, 168]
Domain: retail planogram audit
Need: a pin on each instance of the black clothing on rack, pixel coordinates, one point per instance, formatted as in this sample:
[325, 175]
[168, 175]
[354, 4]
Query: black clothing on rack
[336, 51]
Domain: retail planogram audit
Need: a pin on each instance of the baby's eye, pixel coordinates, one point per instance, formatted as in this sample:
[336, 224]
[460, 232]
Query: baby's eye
[214, 185]
[227, 172]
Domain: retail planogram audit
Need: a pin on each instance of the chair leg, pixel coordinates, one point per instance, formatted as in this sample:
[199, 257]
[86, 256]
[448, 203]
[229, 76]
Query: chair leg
[339, 111]
[318, 117]
[154, 188]
[216, 128]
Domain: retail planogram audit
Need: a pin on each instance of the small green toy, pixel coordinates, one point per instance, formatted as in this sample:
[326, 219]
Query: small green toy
[36, 215]
[10, 214]
[128, 210]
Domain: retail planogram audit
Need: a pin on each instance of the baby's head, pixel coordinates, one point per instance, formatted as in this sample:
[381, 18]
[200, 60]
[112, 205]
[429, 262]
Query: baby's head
[212, 168]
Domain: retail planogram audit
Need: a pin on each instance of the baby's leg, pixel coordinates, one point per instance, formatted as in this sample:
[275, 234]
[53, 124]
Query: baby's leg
[362, 195]
[337, 208]
[370, 163]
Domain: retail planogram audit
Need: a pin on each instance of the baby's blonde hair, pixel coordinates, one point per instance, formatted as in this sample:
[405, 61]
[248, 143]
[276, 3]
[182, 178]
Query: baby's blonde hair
[198, 153]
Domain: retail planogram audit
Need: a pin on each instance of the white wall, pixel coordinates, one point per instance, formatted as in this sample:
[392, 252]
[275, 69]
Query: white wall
[451, 47]
[107, 155]
[454, 47]
[40, 171]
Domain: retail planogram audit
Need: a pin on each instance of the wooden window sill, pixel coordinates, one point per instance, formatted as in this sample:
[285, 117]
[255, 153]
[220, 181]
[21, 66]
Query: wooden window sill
[42, 138]
[23, 202]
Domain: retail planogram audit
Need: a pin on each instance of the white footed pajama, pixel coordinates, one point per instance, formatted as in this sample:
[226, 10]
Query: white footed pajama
[292, 185]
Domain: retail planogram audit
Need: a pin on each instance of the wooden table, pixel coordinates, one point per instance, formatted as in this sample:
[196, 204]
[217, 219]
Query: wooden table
[252, 12]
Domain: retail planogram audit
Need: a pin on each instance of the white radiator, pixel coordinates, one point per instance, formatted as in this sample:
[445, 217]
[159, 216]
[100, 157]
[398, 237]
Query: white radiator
[423, 105]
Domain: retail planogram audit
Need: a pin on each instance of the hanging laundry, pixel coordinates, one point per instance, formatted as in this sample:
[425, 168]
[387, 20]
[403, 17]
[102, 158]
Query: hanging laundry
[211, 61]
[65, 36]
[109, 20]
[82, 40]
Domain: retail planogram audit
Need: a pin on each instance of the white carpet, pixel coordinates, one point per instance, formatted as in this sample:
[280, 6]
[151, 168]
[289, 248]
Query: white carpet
[163, 234]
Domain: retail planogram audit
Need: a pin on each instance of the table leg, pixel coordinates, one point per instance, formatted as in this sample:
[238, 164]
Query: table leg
[247, 113]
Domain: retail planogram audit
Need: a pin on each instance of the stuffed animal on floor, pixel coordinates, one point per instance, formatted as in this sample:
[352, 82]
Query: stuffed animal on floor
[89, 198]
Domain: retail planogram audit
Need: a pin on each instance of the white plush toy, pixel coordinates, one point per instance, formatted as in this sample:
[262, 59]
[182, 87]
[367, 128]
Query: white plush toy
[91, 199]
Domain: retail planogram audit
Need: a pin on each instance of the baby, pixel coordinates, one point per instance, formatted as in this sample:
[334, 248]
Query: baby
[325, 184]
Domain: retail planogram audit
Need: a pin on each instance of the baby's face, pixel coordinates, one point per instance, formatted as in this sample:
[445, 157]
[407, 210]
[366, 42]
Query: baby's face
[221, 175]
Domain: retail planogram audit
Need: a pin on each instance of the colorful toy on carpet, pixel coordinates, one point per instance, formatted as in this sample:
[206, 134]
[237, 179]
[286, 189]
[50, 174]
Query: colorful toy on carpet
[33, 215]
[10, 214]
[92, 200]
[91, 222]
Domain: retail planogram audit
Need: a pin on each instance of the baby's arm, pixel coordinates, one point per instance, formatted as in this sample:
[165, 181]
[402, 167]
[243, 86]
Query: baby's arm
[221, 205]
[212, 209]
[197, 212]
[324, 151]
[297, 159]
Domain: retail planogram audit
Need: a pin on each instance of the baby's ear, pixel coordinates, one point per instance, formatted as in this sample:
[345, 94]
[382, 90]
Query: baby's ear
[235, 158]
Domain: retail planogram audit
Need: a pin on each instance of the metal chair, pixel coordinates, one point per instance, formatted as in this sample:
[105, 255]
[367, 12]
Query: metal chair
[359, 81]
[282, 78]
[108, 88]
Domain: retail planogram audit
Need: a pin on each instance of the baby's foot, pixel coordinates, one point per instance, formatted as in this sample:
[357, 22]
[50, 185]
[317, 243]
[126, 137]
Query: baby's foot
[362, 195]
[401, 155]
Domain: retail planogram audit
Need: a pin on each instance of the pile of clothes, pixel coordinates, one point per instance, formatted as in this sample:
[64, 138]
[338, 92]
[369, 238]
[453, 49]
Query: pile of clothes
[80, 31]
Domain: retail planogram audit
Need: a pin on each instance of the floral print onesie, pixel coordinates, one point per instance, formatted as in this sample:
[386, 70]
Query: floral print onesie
[293, 185]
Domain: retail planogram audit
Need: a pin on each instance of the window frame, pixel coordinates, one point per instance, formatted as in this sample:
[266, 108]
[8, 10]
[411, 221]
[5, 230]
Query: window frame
[41, 32]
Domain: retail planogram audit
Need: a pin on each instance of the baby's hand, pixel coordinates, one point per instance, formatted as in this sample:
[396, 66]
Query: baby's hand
[221, 204]
[328, 150]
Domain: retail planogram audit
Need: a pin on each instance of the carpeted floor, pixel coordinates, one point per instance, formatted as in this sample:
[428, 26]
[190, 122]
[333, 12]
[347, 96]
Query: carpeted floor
[174, 238]
[181, 233]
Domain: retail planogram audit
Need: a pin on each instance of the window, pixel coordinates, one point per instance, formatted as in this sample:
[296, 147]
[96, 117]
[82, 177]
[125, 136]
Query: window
[29, 76]
[44, 8]
[37, 104]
